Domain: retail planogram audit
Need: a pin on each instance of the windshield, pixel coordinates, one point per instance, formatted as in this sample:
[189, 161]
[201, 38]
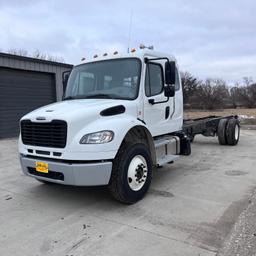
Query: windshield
[114, 79]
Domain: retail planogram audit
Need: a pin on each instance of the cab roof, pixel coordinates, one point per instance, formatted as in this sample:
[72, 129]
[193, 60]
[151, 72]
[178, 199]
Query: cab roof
[141, 54]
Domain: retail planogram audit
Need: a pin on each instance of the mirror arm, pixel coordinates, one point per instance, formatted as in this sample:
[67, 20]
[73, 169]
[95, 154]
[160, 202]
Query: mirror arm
[152, 101]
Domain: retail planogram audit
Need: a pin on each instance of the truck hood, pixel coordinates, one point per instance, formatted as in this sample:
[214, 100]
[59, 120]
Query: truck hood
[72, 110]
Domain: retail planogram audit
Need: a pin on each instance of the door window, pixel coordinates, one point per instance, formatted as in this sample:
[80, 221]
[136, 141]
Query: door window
[177, 80]
[154, 83]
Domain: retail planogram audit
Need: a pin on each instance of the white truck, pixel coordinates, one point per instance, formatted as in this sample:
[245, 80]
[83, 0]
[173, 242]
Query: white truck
[120, 118]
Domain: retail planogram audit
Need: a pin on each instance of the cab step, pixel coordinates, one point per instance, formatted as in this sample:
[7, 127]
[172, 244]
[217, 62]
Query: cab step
[167, 149]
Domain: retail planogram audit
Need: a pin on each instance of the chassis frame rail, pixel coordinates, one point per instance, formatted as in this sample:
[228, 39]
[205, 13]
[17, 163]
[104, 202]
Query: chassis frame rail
[207, 126]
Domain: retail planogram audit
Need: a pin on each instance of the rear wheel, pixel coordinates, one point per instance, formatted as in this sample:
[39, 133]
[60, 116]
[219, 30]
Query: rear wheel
[222, 132]
[131, 173]
[233, 132]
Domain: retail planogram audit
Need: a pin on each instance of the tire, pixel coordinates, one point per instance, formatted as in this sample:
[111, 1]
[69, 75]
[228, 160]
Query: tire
[222, 132]
[233, 132]
[131, 160]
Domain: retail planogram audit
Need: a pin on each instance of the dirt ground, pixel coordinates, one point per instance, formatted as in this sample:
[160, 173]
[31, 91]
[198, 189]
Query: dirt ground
[247, 116]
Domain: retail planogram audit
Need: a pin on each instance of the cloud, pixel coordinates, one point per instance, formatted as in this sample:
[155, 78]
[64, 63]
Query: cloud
[209, 38]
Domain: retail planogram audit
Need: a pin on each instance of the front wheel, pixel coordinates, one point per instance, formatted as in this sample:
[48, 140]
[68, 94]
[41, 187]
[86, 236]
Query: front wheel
[131, 173]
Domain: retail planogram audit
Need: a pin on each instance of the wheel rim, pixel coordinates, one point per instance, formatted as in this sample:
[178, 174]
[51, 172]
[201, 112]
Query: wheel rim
[137, 173]
[236, 132]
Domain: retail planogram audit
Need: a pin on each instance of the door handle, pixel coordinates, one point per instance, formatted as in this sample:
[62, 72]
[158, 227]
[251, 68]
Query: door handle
[167, 112]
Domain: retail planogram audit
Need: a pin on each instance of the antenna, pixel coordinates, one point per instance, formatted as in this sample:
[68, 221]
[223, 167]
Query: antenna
[130, 31]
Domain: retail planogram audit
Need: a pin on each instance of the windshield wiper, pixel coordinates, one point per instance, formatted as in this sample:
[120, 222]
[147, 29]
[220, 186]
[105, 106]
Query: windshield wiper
[75, 97]
[93, 96]
[69, 98]
[100, 95]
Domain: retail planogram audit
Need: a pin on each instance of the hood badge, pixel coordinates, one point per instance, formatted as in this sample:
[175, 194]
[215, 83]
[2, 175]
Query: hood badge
[40, 118]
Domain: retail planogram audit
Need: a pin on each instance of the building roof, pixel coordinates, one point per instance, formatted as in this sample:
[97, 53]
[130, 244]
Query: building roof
[23, 58]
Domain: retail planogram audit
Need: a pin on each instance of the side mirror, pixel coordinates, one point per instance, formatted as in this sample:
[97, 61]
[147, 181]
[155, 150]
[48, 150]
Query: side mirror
[170, 72]
[169, 91]
[65, 76]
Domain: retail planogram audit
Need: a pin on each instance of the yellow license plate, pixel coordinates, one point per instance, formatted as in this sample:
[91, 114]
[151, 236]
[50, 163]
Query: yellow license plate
[42, 167]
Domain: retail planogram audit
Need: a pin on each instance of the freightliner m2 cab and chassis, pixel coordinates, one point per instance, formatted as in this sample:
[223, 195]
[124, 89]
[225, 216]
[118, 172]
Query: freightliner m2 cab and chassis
[121, 117]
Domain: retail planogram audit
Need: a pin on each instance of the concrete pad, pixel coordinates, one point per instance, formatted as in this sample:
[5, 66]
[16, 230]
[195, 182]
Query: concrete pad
[190, 209]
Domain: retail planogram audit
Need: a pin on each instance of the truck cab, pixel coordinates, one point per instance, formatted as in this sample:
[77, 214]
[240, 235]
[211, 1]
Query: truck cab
[121, 117]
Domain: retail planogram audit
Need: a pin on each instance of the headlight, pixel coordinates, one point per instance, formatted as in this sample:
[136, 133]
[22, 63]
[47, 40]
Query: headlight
[97, 137]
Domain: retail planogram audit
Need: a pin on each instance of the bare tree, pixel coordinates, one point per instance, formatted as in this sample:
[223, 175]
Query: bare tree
[252, 92]
[212, 94]
[36, 54]
[247, 81]
[235, 96]
[55, 58]
[20, 52]
[247, 93]
[43, 56]
[189, 85]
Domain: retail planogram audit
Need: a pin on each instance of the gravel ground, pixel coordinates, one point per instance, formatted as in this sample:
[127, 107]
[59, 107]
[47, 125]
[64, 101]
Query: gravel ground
[242, 240]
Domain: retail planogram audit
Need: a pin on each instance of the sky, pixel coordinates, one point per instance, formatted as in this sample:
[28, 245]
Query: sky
[210, 39]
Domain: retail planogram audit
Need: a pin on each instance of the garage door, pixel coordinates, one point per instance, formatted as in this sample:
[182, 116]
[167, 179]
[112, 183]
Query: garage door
[20, 92]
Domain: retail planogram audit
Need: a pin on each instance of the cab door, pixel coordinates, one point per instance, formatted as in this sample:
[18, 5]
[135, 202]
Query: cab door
[156, 115]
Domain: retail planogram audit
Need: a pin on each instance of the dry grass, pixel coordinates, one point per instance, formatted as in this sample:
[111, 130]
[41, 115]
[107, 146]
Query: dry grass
[246, 115]
[250, 112]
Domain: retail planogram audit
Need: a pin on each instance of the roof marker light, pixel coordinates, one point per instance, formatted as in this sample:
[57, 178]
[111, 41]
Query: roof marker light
[115, 53]
[83, 59]
[142, 46]
[105, 54]
[133, 50]
[95, 56]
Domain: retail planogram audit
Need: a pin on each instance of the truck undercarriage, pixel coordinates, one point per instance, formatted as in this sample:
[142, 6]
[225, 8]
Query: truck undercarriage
[226, 128]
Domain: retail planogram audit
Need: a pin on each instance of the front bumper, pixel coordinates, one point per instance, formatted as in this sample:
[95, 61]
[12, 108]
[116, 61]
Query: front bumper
[76, 174]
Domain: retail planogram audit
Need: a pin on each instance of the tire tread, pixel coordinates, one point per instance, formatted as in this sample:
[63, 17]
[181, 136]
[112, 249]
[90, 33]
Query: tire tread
[113, 186]
[222, 132]
[230, 132]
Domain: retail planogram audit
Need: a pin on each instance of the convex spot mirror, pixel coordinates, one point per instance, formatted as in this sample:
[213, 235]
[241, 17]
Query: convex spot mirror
[169, 91]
